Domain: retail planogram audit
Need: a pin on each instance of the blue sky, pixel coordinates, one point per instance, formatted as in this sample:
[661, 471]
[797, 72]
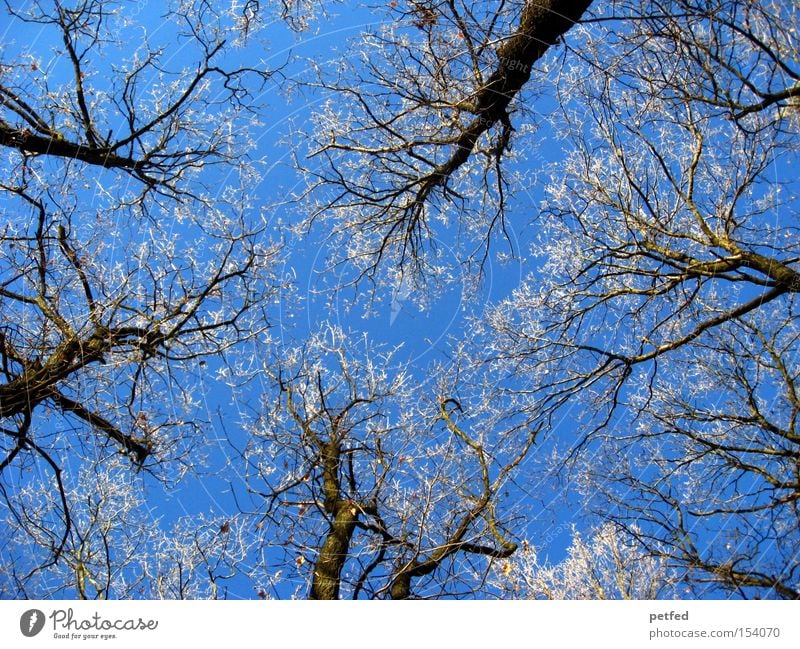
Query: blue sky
[424, 323]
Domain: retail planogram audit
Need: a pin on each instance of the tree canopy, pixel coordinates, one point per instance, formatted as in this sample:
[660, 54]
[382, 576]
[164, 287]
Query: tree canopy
[284, 316]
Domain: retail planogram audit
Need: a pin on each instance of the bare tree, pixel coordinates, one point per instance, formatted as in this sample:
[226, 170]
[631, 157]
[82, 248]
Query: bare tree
[607, 565]
[666, 310]
[117, 548]
[143, 120]
[373, 488]
[122, 279]
[136, 269]
[419, 124]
